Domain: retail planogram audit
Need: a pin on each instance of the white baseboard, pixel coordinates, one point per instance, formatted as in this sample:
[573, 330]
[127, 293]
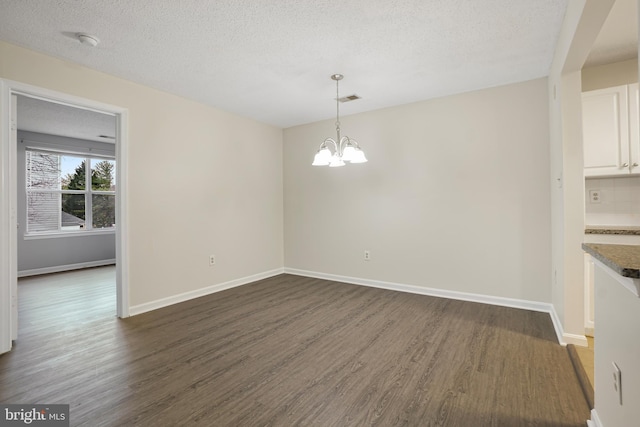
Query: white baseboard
[67, 267]
[594, 421]
[175, 299]
[575, 339]
[563, 338]
[557, 325]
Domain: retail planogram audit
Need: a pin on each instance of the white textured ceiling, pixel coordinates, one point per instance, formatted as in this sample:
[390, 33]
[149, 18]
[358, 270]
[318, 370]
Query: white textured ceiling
[271, 59]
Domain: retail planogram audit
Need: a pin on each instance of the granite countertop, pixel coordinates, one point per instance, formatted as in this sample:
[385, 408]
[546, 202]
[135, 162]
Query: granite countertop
[629, 230]
[623, 259]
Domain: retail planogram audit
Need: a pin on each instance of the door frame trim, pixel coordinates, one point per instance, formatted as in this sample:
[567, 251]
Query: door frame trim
[8, 196]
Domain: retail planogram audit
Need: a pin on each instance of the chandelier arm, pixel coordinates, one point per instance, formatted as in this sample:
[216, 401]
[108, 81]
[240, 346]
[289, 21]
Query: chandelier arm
[354, 142]
[332, 141]
[346, 140]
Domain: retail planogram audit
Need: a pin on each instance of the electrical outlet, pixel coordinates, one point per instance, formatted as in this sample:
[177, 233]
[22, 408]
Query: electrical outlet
[212, 260]
[617, 381]
[367, 255]
[595, 196]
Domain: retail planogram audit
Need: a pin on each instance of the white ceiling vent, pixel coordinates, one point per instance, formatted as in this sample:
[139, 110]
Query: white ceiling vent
[349, 98]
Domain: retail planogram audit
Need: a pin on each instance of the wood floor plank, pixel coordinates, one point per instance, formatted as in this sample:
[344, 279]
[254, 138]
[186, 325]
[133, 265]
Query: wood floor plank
[287, 351]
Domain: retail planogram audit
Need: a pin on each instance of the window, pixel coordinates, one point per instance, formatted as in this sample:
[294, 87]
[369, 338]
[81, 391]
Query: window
[69, 192]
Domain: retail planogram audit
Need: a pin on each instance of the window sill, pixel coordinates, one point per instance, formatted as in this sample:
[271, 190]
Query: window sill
[57, 235]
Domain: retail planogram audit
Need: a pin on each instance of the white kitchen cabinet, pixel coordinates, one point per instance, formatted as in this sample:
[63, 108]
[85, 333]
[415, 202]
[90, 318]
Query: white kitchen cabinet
[618, 312]
[610, 131]
[589, 295]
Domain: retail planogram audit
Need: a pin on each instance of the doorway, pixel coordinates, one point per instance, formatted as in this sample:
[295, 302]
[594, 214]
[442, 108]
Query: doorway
[9, 218]
[609, 80]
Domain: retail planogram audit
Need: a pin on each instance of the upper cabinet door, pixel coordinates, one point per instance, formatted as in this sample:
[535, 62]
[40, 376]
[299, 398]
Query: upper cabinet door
[634, 128]
[605, 131]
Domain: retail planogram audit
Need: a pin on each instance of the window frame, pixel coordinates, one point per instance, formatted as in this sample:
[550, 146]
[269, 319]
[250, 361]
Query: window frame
[88, 193]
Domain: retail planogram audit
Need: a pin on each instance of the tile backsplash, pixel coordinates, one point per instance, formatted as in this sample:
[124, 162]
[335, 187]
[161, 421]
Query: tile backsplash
[612, 201]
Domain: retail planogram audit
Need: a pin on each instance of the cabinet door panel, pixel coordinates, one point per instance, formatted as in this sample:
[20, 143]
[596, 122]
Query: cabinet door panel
[605, 128]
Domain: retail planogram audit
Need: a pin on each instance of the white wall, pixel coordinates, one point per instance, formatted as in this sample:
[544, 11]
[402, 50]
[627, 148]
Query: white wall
[45, 253]
[200, 181]
[618, 204]
[455, 195]
[582, 22]
[573, 194]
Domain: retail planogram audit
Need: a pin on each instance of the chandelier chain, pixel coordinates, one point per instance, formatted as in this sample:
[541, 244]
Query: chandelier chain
[338, 108]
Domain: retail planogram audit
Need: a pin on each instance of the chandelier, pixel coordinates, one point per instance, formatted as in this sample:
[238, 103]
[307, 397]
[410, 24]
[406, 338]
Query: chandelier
[335, 152]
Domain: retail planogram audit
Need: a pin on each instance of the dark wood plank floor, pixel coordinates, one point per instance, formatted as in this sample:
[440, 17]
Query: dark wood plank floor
[287, 351]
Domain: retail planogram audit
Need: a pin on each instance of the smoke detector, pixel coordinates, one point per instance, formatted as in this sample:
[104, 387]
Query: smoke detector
[88, 39]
